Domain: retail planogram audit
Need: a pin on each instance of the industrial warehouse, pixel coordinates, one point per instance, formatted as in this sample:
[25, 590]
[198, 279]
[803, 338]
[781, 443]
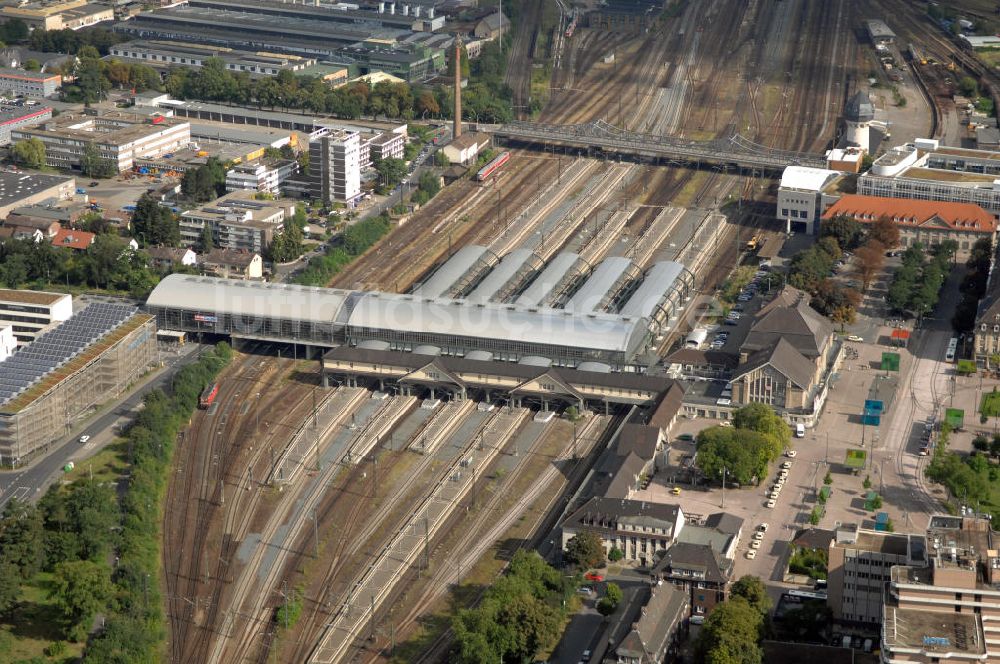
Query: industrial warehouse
[567, 315]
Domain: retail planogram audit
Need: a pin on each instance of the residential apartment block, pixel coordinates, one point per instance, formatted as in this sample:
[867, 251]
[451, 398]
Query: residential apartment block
[237, 221]
[335, 165]
[119, 137]
[32, 312]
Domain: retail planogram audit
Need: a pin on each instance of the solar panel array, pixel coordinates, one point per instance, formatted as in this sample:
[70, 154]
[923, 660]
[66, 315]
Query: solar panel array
[54, 348]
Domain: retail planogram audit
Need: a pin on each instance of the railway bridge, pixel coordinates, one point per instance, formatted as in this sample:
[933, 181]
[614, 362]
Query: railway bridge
[735, 151]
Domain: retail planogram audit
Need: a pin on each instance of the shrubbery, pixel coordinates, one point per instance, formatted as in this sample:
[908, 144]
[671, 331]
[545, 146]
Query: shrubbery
[355, 240]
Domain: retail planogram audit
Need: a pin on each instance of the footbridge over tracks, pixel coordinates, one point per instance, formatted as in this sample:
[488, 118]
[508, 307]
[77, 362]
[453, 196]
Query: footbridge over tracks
[732, 152]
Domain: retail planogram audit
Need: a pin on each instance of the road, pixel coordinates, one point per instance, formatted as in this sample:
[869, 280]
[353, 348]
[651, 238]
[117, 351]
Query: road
[29, 483]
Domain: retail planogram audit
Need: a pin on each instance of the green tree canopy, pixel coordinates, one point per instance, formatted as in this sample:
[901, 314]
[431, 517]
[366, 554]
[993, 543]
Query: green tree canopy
[753, 590]
[153, 224]
[731, 634]
[584, 550]
[30, 152]
[80, 589]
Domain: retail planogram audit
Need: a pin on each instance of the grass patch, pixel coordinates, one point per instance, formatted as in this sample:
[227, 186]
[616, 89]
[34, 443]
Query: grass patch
[991, 404]
[686, 195]
[34, 626]
[735, 284]
[106, 466]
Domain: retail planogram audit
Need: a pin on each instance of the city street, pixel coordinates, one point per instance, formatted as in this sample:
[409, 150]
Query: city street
[29, 483]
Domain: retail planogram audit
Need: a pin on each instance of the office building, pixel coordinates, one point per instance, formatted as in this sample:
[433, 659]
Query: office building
[638, 529]
[47, 387]
[237, 221]
[800, 196]
[14, 117]
[859, 567]
[261, 176]
[30, 84]
[8, 342]
[928, 223]
[926, 170]
[119, 137]
[33, 312]
[335, 165]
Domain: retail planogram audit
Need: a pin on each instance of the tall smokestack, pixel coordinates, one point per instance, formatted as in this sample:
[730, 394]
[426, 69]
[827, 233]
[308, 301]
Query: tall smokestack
[457, 131]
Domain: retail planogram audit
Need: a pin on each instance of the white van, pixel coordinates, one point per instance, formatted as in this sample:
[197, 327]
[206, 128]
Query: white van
[800, 430]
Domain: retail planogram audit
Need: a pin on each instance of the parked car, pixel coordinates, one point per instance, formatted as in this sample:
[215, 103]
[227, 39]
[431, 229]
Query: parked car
[790, 454]
[751, 554]
[855, 338]
[593, 576]
[771, 503]
[84, 438]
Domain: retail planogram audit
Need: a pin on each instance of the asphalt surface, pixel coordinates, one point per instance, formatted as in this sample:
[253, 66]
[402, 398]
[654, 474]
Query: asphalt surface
[29, 483]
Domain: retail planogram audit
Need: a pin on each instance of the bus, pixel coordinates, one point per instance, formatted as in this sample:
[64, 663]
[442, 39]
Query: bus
[754, 242]
[208, 395]
[949, 355]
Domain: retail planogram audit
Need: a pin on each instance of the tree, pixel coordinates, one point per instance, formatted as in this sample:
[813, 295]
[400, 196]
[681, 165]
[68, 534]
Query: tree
[612, 598]
[30, 152]
[206, 243]
[615, 554]
[995, 446]
[584, 550]
[10, 586]
[390, 172]
[845, 230]
[871, 259]
[93, 165]
[752, 589]
[742, 454]
[21, 537]
[762, 419]
[80, 589]
[731, 634]
[884, 231]
[153, 224]
[828, 478]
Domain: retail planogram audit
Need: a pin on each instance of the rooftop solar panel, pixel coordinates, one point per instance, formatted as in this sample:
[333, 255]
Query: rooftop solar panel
[58, 346]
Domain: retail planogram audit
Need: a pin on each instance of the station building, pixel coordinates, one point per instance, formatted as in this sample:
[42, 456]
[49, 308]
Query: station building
[469, 308]
[68, 371]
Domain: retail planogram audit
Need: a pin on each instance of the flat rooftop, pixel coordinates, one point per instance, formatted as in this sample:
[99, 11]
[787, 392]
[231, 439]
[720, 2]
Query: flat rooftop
[45, 298]
[934, 633]
[942, 175]
[117, 127]
[18, 186]
[986, 155]
[885, 543]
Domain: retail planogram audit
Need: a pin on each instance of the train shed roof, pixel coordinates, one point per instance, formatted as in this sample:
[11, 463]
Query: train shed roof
[216, 296]
[517, 324]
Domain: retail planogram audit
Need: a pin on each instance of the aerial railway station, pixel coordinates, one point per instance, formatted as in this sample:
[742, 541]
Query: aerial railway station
[475, 306]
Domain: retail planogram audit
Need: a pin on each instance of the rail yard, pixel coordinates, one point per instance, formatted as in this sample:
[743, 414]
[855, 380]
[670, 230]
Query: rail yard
[362, 499]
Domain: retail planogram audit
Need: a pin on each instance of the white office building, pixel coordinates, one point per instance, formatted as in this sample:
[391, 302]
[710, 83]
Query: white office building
[800, 196]
[29, 313]
[265, 177]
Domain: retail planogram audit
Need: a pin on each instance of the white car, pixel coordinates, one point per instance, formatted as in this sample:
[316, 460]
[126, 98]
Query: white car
[791, 454]
[758, 535]
[763, 527]
[771, 503]
[782, 473]
[774, 495]
[84, 438]
[751, 554]
[786, 465]
[755, 544]
[855, 338]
